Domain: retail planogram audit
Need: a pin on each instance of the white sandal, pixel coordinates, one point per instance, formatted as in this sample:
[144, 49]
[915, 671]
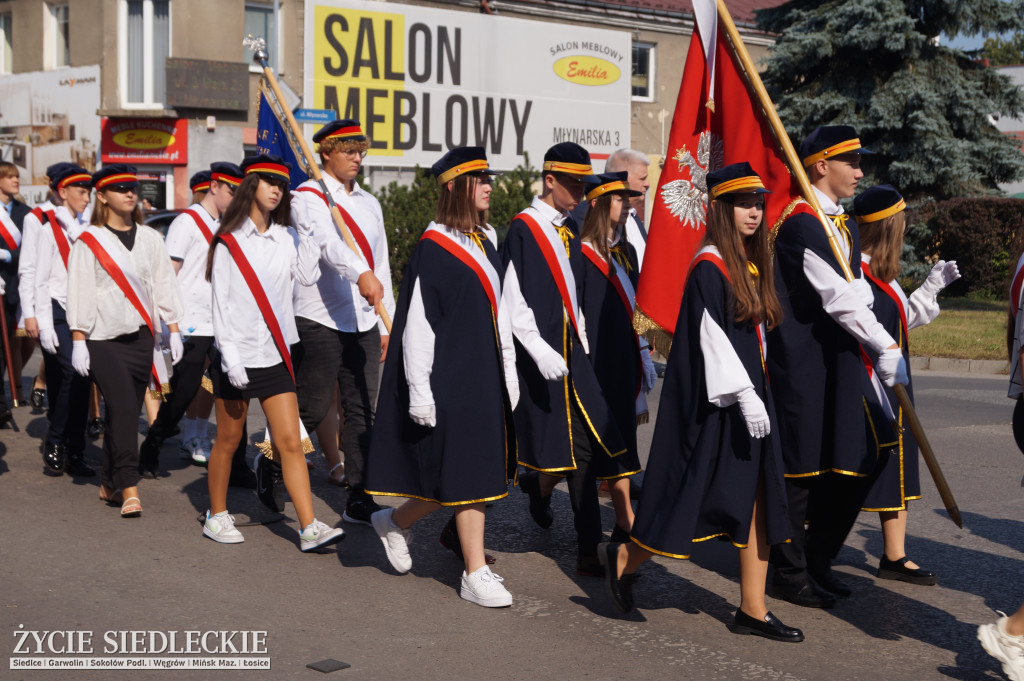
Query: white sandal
[340, 482]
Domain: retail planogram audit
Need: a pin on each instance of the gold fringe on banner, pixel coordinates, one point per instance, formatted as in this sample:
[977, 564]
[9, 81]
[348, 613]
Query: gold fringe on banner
[162, 393]
[207, 384]
[266, 448]
[643, 419]
[659, 338]
[21, 333]
[778, 223]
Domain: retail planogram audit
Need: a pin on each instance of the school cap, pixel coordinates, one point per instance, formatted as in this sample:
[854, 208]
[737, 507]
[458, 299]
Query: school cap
[737, 178]
[571, 159]
[269, 167]
[877, 203]
[610, 182]
[828, 141]
[459, 161]
[117, 176]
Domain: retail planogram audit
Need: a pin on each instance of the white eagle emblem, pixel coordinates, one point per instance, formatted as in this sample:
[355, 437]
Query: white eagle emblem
[687, 199]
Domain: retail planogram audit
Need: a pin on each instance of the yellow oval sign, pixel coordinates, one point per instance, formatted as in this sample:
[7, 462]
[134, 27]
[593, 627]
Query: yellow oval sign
[144, 138]
[584, 70]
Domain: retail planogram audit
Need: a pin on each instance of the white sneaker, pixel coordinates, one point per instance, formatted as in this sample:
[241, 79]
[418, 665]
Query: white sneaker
[395, 539]
[483, 587]
[318, 534]
[221, 528]
[200, 451]
[185, 448]
[1006, 648]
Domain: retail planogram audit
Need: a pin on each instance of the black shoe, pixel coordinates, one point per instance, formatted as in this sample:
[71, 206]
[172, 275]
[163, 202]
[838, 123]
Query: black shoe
[588, 565]
[359, 507]
[96, 428]
[898, 570]
[806, 594]
[449, 539]
[619, 535]
[149, 458]
[54, 457]
[771, 627]
[270, 484]
[824, 577]
[540, 507]
[620, 589]
[5, 416]
[37, 398]
[77, 466]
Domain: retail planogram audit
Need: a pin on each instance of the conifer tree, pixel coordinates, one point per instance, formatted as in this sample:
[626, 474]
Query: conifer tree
[881, 66]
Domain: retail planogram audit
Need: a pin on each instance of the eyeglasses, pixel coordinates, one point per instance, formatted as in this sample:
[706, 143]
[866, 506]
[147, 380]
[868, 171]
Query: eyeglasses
[354, 152]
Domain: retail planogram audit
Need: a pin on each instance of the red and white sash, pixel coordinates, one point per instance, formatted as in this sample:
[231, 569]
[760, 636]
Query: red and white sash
[201, 223]
[60, 236]
[10, 235]
[118, 266]
[624, 288]
[553, 250]
[353, 226]
[266, 297]
[471, 257]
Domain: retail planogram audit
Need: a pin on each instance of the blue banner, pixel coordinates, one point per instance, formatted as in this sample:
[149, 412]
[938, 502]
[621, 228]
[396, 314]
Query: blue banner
[271, 138]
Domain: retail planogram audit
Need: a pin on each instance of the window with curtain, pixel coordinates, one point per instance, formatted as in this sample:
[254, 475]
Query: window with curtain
[60, 36]
[261, 22]
[146, 43]
[7, 54]
[643, 72]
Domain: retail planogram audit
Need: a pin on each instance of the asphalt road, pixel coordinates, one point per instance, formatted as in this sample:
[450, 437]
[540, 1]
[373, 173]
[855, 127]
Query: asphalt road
[68, 562]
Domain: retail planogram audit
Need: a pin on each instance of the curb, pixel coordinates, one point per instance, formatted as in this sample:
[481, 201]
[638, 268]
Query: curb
[960, 366]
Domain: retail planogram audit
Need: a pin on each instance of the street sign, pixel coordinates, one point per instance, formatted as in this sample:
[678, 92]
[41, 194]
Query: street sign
[315, 115]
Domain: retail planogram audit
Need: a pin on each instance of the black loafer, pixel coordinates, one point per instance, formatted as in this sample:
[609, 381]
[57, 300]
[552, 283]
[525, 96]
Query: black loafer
[54, 458]
[806, 594]
[96, 428]
[826, 579]
[589, 565]
[540, 507]
[77, 466]
[449, 539]
[270, 484]
[771, 627]
[37, 398]
[620, 589]
[898, 570]
[619, 535]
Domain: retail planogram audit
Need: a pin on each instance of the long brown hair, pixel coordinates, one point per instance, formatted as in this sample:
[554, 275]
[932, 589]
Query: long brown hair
[456, 208]
[595, 225]
[755, 297]
[238, 211]
[100, 214]
[883, 241]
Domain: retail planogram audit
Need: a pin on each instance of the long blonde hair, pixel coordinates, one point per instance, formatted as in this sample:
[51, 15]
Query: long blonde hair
[883, 241]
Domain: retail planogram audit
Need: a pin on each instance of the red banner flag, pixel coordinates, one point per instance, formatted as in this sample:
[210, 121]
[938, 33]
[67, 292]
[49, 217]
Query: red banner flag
[716, 123]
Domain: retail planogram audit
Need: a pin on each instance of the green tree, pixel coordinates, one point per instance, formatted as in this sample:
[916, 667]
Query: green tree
[923, 107]
[1009, 52]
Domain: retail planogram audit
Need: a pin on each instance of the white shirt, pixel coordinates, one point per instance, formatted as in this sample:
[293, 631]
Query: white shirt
[50, 274]
[30, 229]
[279, 257]
[635, 238]
[186, 244]
[335, 301]
[96, 304]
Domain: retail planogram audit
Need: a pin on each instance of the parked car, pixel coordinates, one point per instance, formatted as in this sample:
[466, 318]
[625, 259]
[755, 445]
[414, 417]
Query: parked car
[160, 220]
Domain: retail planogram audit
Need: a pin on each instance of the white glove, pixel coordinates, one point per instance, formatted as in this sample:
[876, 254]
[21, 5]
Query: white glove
[80, 357]
[551, 364]
[48, 339]
[513, 393]
[942, 275]
[5, 255]
[177, 349]
[864, 292]
[237, 376]
[3, 287]
[424, 416]
[650, 376]
[754, 413]
[891, 367]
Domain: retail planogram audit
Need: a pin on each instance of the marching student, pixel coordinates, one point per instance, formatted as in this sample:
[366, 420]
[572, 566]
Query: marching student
[64, 447]
[200, 185]
[622, 360]
[343, 342]
[120, 287]
[881, 218]
[826, 404]
[444, 421]
[12, 216]
[253, 265]
[636, 164]
[563, 420]
[189, 238]
[715, 468]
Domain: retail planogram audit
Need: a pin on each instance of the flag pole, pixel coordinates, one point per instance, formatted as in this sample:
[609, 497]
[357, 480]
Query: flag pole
[7, 358]
[260, 57]
[757, 88]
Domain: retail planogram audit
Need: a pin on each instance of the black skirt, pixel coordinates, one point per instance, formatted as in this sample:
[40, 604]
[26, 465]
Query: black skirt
[264, 382]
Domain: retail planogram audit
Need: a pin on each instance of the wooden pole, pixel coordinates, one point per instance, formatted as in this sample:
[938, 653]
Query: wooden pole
[260, 57]
[758, 90]
[7, 358]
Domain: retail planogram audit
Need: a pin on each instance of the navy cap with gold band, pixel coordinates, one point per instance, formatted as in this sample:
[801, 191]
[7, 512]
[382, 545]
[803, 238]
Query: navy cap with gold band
[200, 182]
[58, 170]
[877, 203]
[347, 129]
[610, 183]
[268, 167]
[116, 176]
[829, 141]
[229, 173]
[737, 178]
[71, 175]
[570, 159]
[460, 161]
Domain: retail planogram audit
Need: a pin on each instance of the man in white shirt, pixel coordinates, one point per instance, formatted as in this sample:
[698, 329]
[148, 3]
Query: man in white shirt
[636, 164]
[342, 340]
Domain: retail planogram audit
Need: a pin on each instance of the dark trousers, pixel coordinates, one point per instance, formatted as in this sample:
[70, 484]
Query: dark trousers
[67, 393]
[325, 358]
[1018, 423]
[582, 484]
[822, 511]
[121, 368]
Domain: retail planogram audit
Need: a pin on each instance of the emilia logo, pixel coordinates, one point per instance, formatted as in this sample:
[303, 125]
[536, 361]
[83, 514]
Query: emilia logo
[72, 82]
[139, 650]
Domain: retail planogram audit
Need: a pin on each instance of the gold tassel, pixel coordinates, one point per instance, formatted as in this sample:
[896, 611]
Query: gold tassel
[21, 333]
[659, 338]
[307, 446]
[207, 384]
[644, 418]
[710, 105]
[266, 449]
[778, 223]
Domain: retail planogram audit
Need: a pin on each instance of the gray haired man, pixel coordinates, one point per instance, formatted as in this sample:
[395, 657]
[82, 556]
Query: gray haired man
[635, 163]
